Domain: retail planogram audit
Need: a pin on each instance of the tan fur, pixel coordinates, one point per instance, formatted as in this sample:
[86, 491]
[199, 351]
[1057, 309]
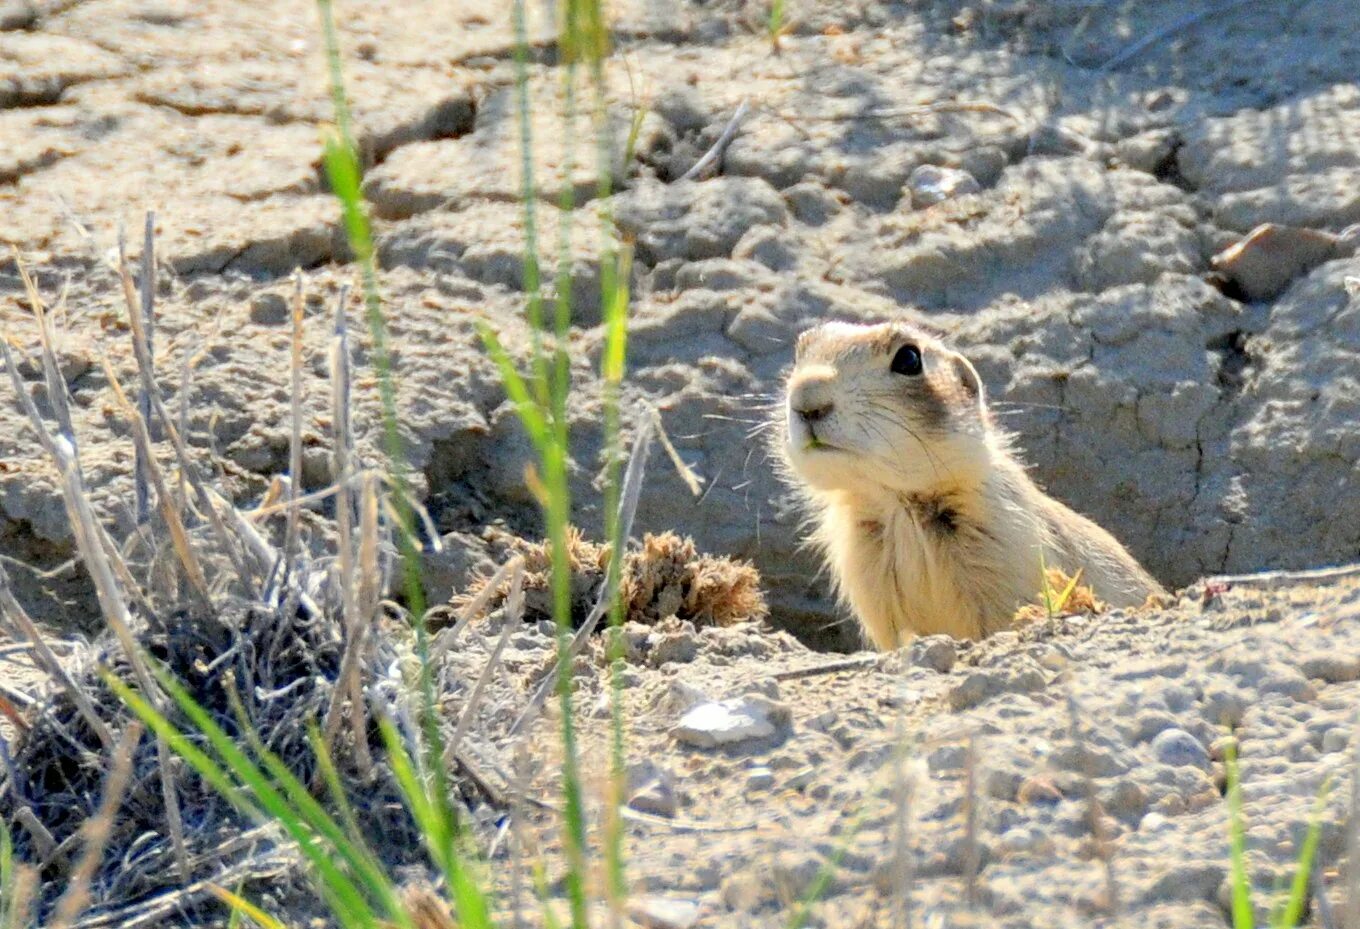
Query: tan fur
[927, 521]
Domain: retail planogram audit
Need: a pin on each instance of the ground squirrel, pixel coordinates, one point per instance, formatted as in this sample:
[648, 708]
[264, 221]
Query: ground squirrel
[927, 520]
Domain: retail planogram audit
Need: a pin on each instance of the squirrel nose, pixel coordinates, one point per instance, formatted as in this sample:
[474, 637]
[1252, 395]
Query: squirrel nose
[811, 412]
[810, 396]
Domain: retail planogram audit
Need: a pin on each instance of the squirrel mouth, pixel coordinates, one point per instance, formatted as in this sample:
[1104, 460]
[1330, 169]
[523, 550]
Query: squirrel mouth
[813, 444]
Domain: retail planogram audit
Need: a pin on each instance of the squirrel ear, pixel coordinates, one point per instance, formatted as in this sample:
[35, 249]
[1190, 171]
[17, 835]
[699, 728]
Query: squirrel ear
[968, 376]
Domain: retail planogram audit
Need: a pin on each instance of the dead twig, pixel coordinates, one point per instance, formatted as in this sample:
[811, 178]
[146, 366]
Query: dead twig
[142, 491]
[1176, 28]
[628, 501]
[831, 667]
[290, 537]
[714, 155]
[96, 830]
[1103, 847]
[1274, 580]
[511, 619]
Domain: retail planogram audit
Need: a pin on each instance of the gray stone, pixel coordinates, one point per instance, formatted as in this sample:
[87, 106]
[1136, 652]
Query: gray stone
[731, 722]
[653, 912]
[1179, 748]
[932, 184]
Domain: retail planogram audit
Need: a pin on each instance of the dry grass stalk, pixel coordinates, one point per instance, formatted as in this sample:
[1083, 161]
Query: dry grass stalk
[628, 501]
[144, 367]
[179, 537]
[972, 856]
[290, 538]
[513, 616]
[1103, 845]
[473, 608]
[100, 556]
[48, 442]
[141, 475]
[341, 450]
[47, 846]
[96, 831]
[49, 662]
[58, 396]
[120, 620]
[714, 155]
[1350, 918]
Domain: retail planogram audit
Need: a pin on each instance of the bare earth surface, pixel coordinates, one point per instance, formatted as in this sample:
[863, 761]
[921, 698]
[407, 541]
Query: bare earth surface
[1208, 415]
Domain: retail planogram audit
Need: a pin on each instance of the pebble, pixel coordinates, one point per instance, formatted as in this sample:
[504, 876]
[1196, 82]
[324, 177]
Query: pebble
[1335, 740]
[760, 778]
[932, 184]
[656, 798]
[1179, 748]
[730, 722]
[935, 652]
[653, 912]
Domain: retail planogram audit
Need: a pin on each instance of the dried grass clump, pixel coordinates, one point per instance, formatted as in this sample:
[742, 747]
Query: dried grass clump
[667, 577]
[1081, 600]
[269, 641]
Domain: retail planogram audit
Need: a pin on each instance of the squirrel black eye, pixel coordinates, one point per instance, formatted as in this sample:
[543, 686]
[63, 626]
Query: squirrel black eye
[907, 361]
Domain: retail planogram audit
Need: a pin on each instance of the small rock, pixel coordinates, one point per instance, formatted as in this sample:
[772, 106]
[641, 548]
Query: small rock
[1268, 260]
[729, 722]
[931, 184]
[657, 798]
[663, 912]
[269, 309]
[1003, 785]
[933, 651]
[1150, 723]
[674, 647]
[947, 758]
[811, 203]
[760, 778]
[1038, 790]
[745, 891]
[1332, 667]
[1335, 740]
[1289, 682]
[800, 779]
[1127, 800]
[1025, 841]
[796, 871]
[1224, 705]
[1179, 748]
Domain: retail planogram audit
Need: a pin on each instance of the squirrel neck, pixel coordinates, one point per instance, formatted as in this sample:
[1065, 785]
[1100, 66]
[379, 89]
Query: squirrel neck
[908, 560]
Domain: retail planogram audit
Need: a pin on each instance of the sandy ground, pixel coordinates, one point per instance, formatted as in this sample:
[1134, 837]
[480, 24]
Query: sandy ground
[1206, 413]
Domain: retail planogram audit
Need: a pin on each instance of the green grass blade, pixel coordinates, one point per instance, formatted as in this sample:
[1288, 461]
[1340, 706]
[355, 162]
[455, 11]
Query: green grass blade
[1241, 884]
[440, 833]
[1067, 591]
[356, 855]
[529, 410]
[241, 907]
[1292, 914]
[8, 916]
[341, 895]
[529, 199]
[799, 918]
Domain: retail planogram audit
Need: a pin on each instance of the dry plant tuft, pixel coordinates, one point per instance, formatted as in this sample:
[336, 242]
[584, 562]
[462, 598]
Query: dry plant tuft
[667, 577]
[1068, 596]
[269, 642]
